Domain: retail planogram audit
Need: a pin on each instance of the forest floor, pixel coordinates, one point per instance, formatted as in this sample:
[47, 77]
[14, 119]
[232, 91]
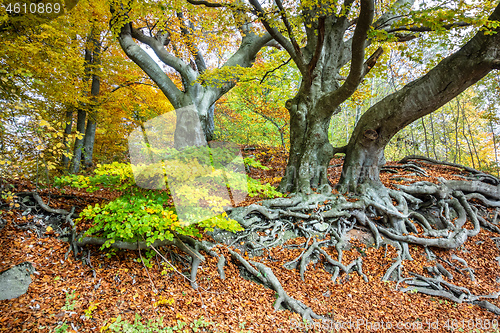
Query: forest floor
[86, 298]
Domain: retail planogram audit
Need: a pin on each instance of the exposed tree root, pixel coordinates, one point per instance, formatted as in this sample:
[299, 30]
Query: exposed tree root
[477, 175]
[42, 204]
[441, 215]
[402, 217]
[440, 288]
[267, 277]
[411, 167]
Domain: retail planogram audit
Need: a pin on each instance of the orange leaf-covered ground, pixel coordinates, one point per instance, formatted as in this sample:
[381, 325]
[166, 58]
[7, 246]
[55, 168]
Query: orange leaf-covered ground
[67, 290]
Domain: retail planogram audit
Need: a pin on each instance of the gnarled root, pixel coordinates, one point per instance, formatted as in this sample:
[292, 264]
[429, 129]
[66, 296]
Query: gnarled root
[267, 277]
[439, 287]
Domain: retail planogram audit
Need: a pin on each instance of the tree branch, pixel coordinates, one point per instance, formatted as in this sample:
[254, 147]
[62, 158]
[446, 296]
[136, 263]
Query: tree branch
[288, 27]
[332, 100]
[250, 45]
[157, 45]
[149, 66]
[441, 84]
[424, 29]
[358, 44]
[128, 84]
[370, 62]
[319, 44]
[287, 45]
[195, 52]
[274, 70]
[209, 4]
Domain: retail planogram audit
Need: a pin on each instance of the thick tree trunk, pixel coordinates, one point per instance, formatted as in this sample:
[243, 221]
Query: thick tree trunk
[364, 153]
[208, 124]
[310, 150]
[77, 151]
[205, 110]
[362, 163]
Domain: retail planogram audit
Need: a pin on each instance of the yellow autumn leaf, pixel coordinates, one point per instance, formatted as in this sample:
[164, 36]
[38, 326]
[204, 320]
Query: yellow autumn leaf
[43, 123]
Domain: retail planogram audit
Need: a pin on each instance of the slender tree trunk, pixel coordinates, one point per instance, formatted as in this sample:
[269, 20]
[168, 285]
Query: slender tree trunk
[88, 144]
[81, 119]
[473, 143]
[413, 142]
[494, 147]
[425, 138]
[444, 136]
[467, 140]
[457, 148]
[77, 150]
[433, 138]
[67, 132]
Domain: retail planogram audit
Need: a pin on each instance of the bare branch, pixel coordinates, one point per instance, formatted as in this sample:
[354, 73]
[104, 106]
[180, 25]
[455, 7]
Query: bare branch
[157, 45]
[424, 28]
[128, 84]
[149, 66]
[274, 69]
[287, 45]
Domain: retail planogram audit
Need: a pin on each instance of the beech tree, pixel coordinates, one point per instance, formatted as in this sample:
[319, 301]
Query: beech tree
[364, 152]
[336, 34]
[321, 40]
[179, 42]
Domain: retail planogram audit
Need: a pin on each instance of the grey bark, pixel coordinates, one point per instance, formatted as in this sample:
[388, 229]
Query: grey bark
[381, 122]
[67, 132]
[78, 147]
[202, 97]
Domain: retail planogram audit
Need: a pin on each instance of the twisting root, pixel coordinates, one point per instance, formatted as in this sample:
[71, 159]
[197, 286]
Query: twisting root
[267, 277]
[423, 213]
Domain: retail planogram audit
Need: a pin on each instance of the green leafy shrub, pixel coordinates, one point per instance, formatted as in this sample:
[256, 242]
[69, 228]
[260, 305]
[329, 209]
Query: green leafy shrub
[255, 187]
[252, 162]
[117, 175]
[145, 215]
[119, 325]
[149, 215]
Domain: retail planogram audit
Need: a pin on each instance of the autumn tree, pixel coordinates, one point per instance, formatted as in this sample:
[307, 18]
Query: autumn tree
[321, 58]
[63, 72]
[253, 112]
[187, 41]
[327, 42]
